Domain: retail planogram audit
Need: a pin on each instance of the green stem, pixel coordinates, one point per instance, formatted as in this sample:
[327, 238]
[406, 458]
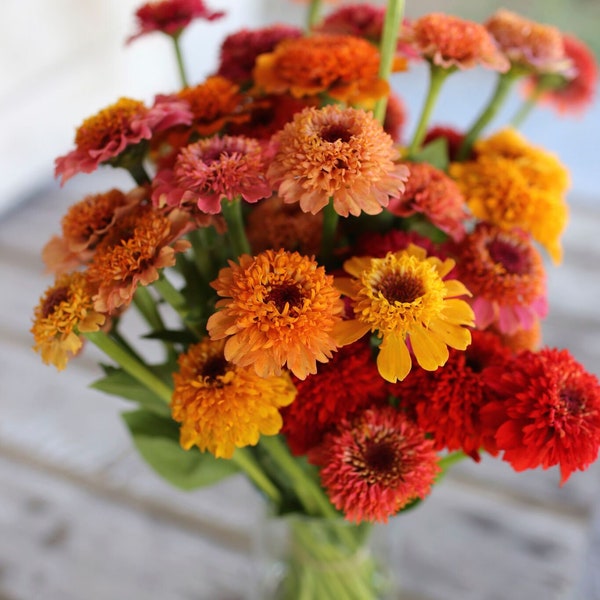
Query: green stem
[176, 300]
[232, 211]
[179, 57]
[137, 171]
[330, 223]
[387, 49]
[128, 363]
[116, 335]
[314, 14]
[244, 459]
[202, 253]
[437, 77]
[503, 86]
[449, 460]
[146, 305]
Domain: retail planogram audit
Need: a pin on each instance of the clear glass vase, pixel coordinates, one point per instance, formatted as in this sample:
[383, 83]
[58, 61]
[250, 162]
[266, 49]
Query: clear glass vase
[309, 558]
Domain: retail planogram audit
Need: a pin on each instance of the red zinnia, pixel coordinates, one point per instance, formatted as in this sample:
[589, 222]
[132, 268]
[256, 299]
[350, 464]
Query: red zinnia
[547, 412]
[347, 383]
[376, 464]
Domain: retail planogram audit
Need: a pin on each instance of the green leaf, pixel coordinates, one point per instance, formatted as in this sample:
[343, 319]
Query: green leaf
[157, 440]
[435, 153]
[179, 336]
[118, 382]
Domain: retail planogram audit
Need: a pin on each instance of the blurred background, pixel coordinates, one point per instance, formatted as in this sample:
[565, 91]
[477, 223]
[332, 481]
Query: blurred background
[81, 517]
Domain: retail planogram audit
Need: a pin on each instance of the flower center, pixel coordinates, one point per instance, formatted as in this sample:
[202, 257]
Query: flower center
[509, 256]
[285, 293]
[335, 132]
[572, 400]
[53, 300]
[214, 367]
[400, 287]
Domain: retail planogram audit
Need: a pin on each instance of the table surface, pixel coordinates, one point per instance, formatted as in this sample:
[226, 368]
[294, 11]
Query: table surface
[83, 518]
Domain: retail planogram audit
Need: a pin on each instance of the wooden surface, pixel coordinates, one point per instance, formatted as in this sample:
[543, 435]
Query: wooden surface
[82, 518]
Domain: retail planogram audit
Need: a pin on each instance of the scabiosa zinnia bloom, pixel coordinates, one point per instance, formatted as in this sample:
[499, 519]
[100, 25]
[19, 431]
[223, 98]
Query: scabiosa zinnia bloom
[376, 464]
[140, 244]
[512, 184]
[338, 153]
[212, 169]
[432, 193]
[171, 16]
[83, 227]
[344, 67]
[505, 274]
[339, 389]
[573, 93]
[451, 42]
[65, 311]
[222, 407]
[104, 136]
[530, 45]
[240, 49]
[277, 309]
[546, 412]
[404, 298]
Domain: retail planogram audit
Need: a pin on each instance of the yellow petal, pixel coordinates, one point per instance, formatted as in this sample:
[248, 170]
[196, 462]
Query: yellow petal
[346, 286]
[430, 351]
[456, 288]
[452, 335]
[393, 360]
[357, 264]
[347, 332]
[458, 312]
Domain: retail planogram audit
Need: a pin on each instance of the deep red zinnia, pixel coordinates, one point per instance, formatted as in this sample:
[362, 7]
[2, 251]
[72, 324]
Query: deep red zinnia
[376, 464]
[547, 412]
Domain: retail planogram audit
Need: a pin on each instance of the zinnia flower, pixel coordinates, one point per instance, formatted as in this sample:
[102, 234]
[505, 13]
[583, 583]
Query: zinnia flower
[84, 226]
[514, 185]
[528, 44]
[506, 276]
[446, 402]
[376, 464]
[277, 309]
[65, 311]
[239, 50]
[377, 245]
[106, 135]
[432, 193]
[212, 169]
[360, 20]
[451, 42]
[547, 412]
[336, 153]
[140, 244]
[171, 16]
[404, 299]
[341, 388]
[222, 406]
[344, 67]
[454, 139]
[570, 94]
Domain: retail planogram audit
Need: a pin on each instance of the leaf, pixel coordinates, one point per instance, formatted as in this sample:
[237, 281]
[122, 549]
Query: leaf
[118, 382]
[157, 440]
[180, 336]
[435, 153]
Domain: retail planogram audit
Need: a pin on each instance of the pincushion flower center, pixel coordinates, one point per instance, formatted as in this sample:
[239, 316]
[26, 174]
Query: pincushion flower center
[572, 401]
[53, 300]
[213, 370]
[400, 287]
[380, 459]
[336, 132]
[285, 293]
[509, 256]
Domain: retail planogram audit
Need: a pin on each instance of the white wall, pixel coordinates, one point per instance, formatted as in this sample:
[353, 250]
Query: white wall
[63, 60]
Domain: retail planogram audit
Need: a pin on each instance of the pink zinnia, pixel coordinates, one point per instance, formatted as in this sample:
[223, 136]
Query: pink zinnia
[107, 134]
[376, 464]
[171, 16]
[212, 169]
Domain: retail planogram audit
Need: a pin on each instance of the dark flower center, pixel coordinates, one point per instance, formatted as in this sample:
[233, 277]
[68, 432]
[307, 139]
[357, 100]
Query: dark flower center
[214, 367]
[333, 133]
[396, 287]
[53, 300]
[571, 400]
[509, 256]
[286, 293]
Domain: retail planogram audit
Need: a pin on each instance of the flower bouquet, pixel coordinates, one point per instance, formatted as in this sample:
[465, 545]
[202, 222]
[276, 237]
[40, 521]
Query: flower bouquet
[343, 311]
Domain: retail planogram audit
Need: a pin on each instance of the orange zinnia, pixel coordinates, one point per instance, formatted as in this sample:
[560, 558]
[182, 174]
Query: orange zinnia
[278, 309]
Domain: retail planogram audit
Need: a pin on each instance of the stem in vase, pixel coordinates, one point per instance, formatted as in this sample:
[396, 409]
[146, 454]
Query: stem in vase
[232, 212]
[179, 57]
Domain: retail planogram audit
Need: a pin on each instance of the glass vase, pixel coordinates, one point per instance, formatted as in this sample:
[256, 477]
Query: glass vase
[311, 558]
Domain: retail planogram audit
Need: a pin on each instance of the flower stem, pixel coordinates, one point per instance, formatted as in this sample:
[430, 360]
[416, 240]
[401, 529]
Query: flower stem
[244, 459]
[503, 86]
[387, 49]
[137, 171]
[131, 365]
[179, 57]
[177, 301]
[314, 14]
[330, 223]
[146, 305]
[232, 211]
[449, 460]
[437, 77]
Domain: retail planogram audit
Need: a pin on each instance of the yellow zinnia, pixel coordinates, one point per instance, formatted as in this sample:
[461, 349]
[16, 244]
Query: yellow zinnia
[223, 407]
[404, 299]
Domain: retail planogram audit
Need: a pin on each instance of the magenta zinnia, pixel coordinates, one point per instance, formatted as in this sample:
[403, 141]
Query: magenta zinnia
[376, 464]
[337, 153]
